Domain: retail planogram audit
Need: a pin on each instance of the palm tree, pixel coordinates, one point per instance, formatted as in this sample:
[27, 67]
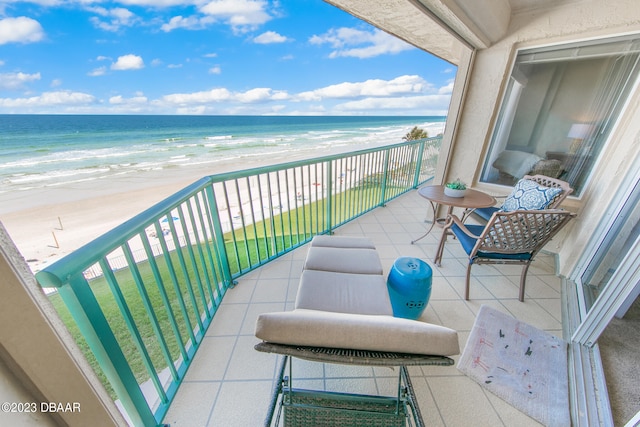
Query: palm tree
[416, 133]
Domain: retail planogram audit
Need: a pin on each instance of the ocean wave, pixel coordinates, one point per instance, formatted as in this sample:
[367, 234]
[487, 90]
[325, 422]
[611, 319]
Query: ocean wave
[179, 159]
[20, 179]
[74, 156]
[95, 156]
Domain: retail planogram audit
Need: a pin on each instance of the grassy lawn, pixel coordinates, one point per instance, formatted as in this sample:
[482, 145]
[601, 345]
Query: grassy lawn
[245, 247]
[133, 299]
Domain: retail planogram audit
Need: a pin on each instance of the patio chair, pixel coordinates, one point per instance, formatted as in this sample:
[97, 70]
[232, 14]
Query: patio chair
[513, 237]
[485, 213]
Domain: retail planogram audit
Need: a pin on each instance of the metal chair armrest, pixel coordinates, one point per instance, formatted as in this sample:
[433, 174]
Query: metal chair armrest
[453, 219]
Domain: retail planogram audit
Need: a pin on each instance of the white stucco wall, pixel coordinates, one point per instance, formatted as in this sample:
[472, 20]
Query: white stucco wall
[559, 24]
[39, 361]
[13, 392]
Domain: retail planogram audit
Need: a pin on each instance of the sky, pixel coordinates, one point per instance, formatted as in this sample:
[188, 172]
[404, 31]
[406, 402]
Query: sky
[220, 57]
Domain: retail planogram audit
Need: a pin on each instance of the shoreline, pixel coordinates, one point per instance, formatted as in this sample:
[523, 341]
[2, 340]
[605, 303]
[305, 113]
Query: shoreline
[57, 226]
[49, 223]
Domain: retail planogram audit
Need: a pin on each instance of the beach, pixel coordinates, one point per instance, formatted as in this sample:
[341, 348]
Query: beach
[54, 222]
[69, 198]
[46, 224]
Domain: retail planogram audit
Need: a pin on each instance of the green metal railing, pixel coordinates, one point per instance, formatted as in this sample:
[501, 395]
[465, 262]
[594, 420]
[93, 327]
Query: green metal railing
[142, 295]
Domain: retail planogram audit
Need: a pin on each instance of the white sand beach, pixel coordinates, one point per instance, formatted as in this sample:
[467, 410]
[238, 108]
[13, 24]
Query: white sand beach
[46, 224]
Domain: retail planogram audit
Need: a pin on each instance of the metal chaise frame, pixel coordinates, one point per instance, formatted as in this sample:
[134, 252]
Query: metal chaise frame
[283, 390]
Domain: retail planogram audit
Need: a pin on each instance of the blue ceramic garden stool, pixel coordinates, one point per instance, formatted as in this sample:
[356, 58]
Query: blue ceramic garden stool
[409, 285]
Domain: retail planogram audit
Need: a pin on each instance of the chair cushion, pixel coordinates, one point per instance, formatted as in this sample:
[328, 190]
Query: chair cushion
[469, 242]
[343, 260]
[343, 242]
[529, 195]
[485, 213]
[343, 293]
[356, 331]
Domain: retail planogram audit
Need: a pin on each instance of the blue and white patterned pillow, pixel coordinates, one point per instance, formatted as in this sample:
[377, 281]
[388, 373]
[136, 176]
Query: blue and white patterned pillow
[529, 195]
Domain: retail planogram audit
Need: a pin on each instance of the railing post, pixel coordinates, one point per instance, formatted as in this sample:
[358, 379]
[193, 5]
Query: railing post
[385, 177]
[416, 178]
[329, 219]
[95, 329]
[218, 235]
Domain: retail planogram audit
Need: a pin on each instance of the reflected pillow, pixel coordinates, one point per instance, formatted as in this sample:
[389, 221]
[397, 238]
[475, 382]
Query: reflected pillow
[529, 195]
[516, 163]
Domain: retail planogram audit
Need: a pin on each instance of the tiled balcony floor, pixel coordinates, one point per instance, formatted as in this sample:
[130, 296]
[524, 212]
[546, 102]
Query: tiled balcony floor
[229, 383]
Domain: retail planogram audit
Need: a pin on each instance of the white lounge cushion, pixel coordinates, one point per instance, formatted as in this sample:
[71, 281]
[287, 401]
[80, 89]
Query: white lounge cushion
[343, 242]
[343, 293]
[343, 260]
[356, 331]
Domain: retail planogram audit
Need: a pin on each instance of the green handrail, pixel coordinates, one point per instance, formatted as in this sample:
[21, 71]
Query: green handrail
[144, 294]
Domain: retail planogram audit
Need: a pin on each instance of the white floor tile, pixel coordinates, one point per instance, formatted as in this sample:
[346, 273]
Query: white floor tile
[229, 383]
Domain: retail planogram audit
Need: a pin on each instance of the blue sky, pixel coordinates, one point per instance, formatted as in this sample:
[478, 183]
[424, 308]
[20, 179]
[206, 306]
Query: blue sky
[293, 57]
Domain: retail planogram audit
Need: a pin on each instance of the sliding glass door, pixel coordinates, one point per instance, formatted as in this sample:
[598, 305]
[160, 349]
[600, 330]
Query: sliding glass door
[609, 278]
[608, 285]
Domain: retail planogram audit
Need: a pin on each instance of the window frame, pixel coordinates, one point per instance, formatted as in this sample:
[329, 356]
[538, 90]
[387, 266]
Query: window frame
[507, 89]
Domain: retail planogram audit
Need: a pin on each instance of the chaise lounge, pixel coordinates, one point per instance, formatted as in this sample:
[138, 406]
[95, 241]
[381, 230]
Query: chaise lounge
[343, 314]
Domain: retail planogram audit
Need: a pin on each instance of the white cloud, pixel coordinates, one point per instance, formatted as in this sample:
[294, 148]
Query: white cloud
[260, 95]
[350, 42]
[270, 37]
[47, 99]
[214, 95]
[20, 30]
[116, 18]
[252, 96]
[189, 23]
[134, 105]
[429, 104]
[100, 71]
[157, 3]
[375, 87]
[242, 15]
[56, 83]
[215, 70]
[193, 111]
[45, 2]
[13, 81]
[128, 62]
[136, 100]
[446, 90]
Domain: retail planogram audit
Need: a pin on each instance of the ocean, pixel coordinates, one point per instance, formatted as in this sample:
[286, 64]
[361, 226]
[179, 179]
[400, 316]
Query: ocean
[45, 151]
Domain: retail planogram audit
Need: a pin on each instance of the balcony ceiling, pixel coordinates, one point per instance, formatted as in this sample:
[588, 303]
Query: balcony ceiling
[444, 28]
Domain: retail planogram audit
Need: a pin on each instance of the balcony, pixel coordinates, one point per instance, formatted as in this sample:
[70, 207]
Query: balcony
[167, 301]
[229, 383]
